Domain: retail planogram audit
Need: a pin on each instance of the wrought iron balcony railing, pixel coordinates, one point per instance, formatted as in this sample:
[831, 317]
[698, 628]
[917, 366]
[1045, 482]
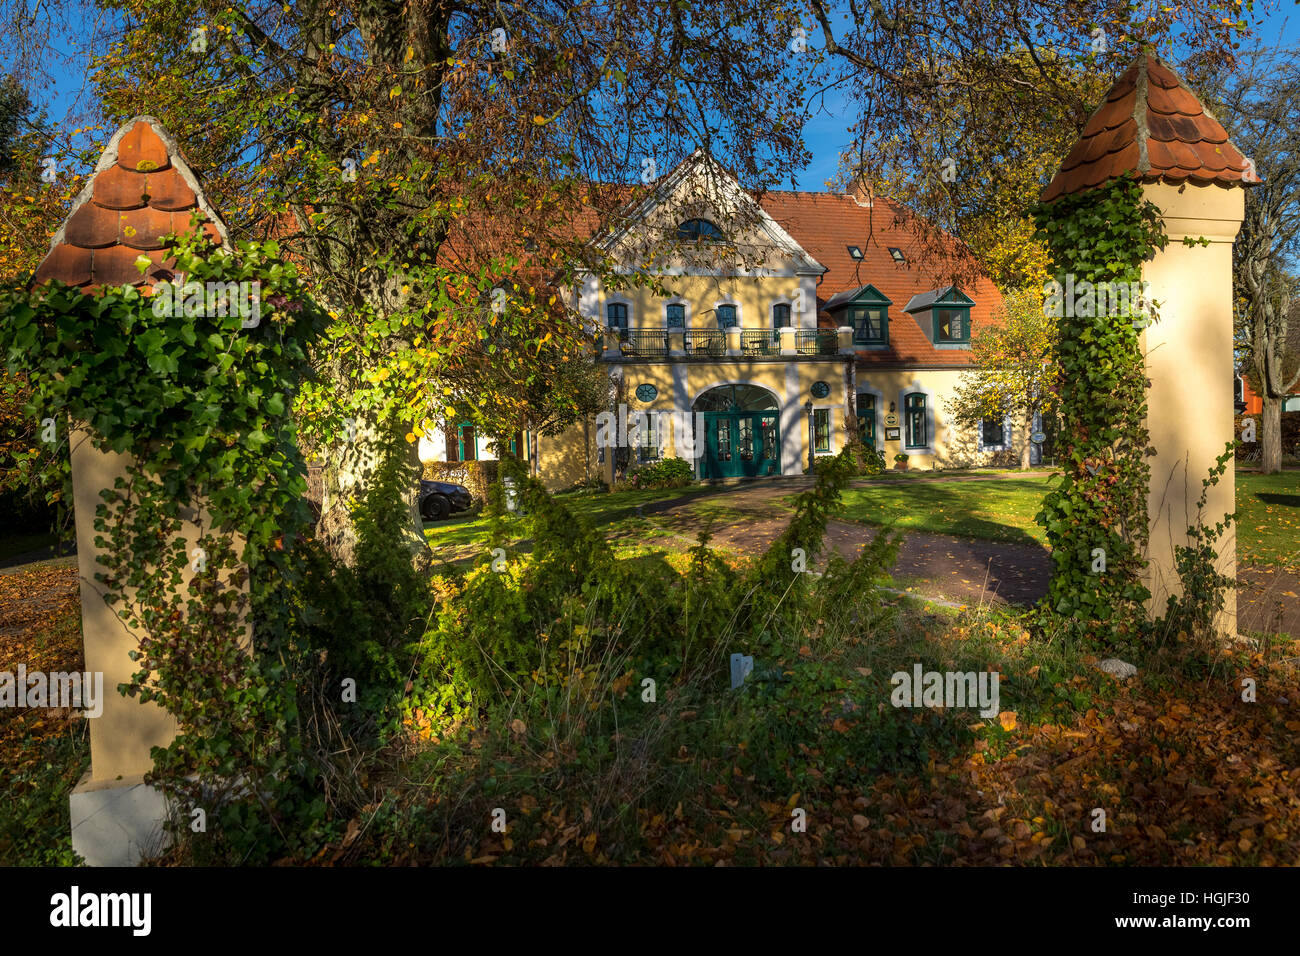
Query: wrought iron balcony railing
[760, 342]
[704, 343]
[643, 342]
[817, 342]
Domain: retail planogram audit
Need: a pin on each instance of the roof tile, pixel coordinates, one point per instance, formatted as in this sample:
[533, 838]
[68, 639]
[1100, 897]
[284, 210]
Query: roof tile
[1149, 106]
[141, 149]
[168, 190]
[92, 227]
[826, 224]
[116, 188]
[136, 196]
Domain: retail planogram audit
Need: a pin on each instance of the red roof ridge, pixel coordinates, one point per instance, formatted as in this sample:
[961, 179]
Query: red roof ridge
[1150, 123]
[141, 190]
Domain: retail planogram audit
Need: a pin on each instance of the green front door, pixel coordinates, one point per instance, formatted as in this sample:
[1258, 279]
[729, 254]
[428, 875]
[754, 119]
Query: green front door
[740, 445]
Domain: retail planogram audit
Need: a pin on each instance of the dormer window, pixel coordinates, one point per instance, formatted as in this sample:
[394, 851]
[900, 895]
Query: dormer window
[867, 311]
[699, 230]
[944, 315]
[896, 254]
[855, 253]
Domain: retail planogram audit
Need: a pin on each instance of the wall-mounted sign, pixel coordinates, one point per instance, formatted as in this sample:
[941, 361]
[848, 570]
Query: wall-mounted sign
[891, 419]
[646, 392]
[1038, 438]
[891, 434]
[820, 390]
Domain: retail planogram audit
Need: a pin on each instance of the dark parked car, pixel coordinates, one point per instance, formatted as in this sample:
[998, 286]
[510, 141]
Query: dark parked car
[440, 498]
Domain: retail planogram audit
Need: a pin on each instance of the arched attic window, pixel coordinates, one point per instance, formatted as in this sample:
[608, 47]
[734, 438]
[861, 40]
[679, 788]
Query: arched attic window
[699, 230]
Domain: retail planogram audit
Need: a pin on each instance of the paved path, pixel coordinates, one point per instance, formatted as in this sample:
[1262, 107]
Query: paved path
[962, 570]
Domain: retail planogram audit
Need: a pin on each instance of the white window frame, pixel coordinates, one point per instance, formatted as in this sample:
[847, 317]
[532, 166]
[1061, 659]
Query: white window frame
[830, 431]
[740, 314]
[1006, 435]
[686, 310]
[771, 312]
[617, 299]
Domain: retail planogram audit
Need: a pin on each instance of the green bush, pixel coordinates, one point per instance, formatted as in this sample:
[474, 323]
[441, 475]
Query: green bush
[665, 473]
[550, 617]
[866, 460]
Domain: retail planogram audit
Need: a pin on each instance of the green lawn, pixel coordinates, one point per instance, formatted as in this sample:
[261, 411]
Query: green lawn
[1268, 529]
[1001, 510]
[459, 536]
[1268, 518]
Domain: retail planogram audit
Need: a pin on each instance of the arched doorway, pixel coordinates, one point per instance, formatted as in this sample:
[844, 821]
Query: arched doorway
[742, 432]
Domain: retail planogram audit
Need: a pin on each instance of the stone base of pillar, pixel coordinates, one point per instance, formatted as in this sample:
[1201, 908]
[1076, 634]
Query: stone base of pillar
[117, 822]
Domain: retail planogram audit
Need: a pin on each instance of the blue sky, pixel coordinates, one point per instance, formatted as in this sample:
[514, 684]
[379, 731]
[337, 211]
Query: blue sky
[827, 134]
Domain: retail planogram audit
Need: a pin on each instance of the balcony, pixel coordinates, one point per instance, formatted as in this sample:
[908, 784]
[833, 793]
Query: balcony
[817, 342]
[760, 342]
[645, 342]
[704, 343]
[679, 344]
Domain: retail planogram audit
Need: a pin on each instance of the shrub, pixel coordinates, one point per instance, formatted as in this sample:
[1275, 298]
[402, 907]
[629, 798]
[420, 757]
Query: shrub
[665, 473]
[552, 617]
[866, 460]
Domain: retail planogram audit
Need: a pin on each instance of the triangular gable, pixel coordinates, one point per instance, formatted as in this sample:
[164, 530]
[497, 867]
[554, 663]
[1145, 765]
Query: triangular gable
[141, 190]
[948, 295]
[700, 187]
[863, 295]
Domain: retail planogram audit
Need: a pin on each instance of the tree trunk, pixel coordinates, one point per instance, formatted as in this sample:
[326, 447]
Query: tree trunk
[1026, 446]
[1270, 435]
[349, 466]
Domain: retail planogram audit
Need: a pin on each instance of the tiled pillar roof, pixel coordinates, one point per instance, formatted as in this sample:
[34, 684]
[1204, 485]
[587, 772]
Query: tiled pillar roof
[1152, 125]
[141, 190]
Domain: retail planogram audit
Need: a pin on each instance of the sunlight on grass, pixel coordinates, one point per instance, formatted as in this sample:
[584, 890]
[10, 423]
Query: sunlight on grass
[1001, 510]
[1268, 518]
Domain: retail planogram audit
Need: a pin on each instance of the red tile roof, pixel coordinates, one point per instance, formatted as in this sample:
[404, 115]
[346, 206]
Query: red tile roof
[826, 224]
[1150, 124]
[141, 190]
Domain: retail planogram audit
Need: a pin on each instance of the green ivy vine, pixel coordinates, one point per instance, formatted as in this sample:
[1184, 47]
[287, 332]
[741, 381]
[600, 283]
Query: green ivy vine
[199, 394]
[1100, 236]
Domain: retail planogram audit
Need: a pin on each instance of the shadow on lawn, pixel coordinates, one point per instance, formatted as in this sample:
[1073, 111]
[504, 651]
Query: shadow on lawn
[1287, 501]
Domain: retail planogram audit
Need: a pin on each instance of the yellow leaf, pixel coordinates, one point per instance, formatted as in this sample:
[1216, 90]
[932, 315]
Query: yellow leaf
[1007, 719]
[589, 843]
